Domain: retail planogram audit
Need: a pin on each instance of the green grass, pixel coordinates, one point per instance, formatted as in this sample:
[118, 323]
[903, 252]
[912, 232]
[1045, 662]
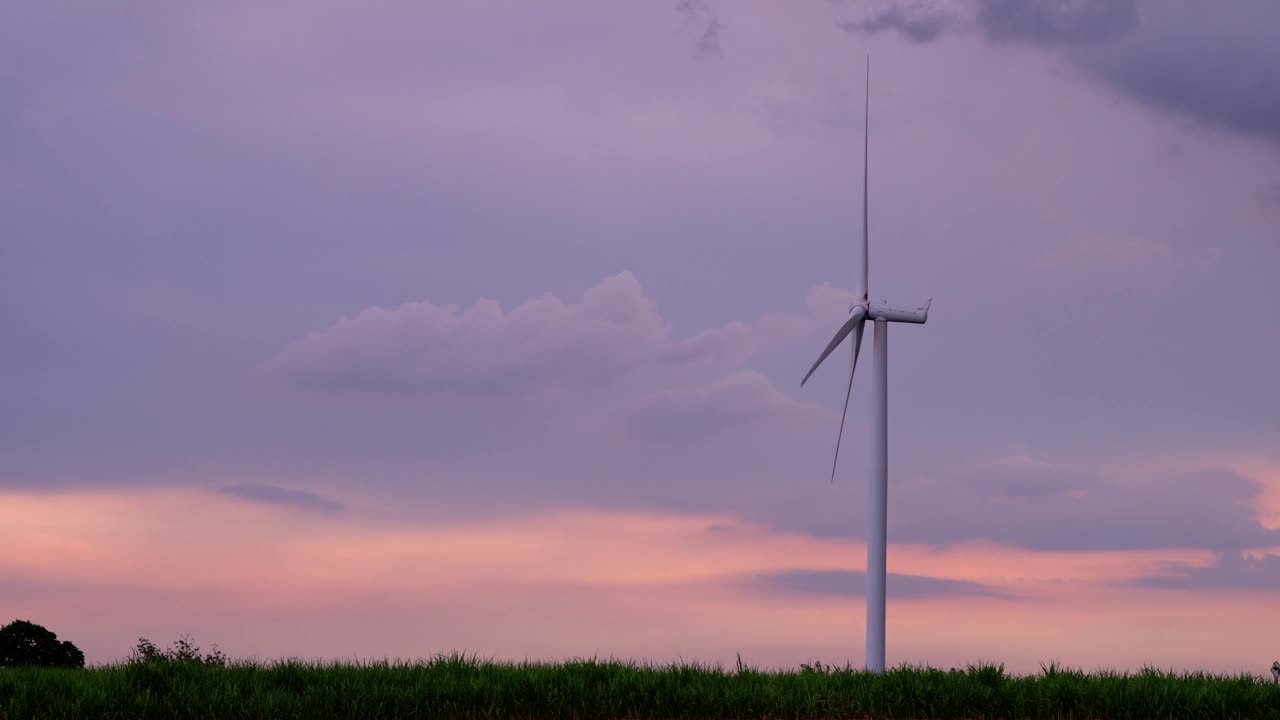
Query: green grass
[460, 687]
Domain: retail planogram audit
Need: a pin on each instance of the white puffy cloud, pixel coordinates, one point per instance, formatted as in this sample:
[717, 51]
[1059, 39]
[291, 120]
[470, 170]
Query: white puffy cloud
[614, 335]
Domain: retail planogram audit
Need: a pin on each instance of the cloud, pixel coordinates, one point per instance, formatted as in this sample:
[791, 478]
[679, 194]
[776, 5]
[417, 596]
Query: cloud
[679, 582]
[423, 347]
[1046, 507]
[854, 584]
[598, 400]
[613, 354]
[1047, 23]
[918, 21]
[613, 334]
[595, 400]
[1057, 22]
[745, 397]
[1213, 65]
[281, 496]
[1233, 570]
[1073, 509]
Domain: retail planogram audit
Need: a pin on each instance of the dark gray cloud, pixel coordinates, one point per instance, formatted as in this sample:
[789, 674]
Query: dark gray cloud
[282, 496]
[1214, 65]
[1217, 65]
[1048, 23]
[709, 41]
[1233, 570]
[917, 21]
[700, 15]
[1057, 22]
[854, 583]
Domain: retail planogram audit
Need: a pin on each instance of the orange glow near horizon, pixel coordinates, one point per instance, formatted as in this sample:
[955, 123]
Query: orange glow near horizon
[103, 568]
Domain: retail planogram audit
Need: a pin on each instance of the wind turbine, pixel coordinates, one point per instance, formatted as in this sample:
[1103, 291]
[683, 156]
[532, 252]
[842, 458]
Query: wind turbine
[881, 314]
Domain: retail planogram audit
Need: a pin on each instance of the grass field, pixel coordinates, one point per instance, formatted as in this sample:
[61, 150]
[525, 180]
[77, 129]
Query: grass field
[461, 687]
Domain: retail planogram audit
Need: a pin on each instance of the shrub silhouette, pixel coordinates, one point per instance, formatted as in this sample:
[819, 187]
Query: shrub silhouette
[23, 642]
[181, 651]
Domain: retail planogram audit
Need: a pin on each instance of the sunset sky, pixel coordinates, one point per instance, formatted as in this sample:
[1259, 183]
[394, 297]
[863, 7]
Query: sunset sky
[340, 330]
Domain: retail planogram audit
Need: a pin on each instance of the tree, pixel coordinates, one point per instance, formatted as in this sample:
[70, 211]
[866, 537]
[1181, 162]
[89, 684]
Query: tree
[183, 651]
[22, 642]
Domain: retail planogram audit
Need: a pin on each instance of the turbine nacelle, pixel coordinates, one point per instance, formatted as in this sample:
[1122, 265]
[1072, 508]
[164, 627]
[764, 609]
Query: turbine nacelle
[859, 313]
[897, 313]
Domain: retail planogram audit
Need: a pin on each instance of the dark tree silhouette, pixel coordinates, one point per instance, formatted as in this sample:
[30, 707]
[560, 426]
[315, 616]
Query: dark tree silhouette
[183, 651]
[22, 642]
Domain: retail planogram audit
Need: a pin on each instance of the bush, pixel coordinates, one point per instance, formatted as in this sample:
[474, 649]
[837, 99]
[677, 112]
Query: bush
[181, 651]
[23, 642]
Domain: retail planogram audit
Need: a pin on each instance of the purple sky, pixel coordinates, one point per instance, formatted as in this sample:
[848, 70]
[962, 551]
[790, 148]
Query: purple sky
[482, 262]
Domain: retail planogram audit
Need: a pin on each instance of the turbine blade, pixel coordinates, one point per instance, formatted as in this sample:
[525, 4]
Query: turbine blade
[858, 314]
[853, 354]
[866, 134]
[857, 344]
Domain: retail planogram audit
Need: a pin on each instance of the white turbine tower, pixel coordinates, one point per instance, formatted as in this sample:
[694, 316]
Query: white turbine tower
[881, 314]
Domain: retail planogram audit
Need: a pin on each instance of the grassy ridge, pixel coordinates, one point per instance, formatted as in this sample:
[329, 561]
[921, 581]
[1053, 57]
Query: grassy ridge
[459, 687]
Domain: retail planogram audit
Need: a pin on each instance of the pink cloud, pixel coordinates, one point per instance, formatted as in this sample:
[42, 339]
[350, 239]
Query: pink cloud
[631, 584]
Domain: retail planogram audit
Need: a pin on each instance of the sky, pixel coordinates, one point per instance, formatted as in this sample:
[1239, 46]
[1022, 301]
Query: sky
[339, 331]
